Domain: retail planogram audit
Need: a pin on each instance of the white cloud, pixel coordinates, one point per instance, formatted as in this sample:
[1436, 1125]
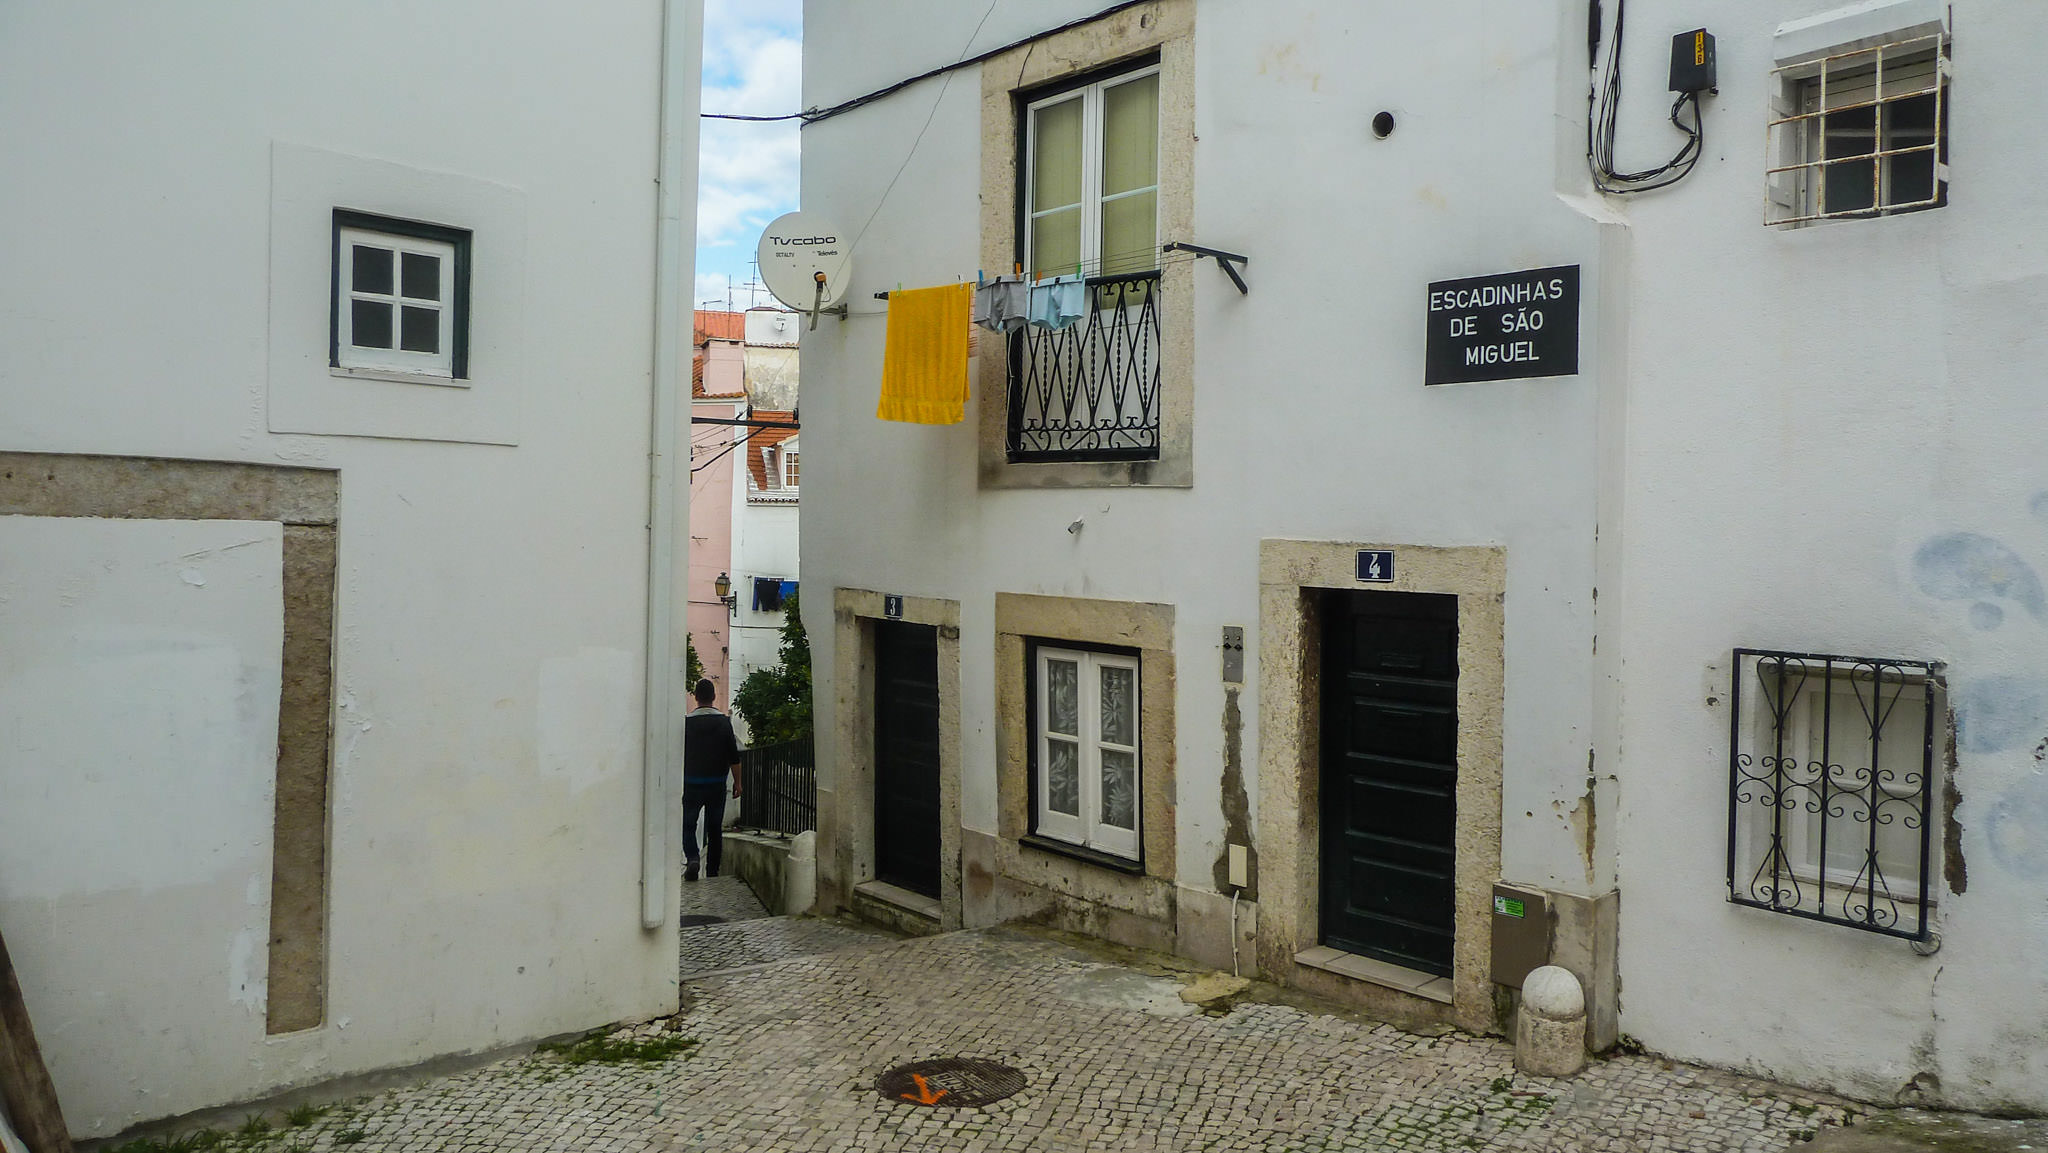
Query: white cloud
[748, 172]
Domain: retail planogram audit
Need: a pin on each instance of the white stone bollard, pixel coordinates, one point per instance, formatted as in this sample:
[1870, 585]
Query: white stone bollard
[1550, 1028]
[800, 874]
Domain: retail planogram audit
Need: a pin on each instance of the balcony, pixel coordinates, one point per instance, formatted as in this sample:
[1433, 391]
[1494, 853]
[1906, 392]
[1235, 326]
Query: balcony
[1090, 392]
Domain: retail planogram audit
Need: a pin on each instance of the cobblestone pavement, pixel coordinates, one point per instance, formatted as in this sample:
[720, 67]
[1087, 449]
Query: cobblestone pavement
[747, 935]
[727, 897]
[785, 1057]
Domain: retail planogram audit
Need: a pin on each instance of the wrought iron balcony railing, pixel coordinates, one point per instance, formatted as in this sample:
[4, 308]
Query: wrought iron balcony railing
[1090, 392]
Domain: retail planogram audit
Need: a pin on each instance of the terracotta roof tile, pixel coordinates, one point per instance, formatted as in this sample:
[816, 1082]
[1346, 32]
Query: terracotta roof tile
[714, 325]
[760, 438]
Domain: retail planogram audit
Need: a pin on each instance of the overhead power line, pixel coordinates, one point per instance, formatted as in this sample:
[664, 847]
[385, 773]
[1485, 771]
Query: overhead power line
[814, 115]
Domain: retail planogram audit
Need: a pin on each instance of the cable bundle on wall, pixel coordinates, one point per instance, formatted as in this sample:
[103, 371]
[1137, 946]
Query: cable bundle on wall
[1603, 109]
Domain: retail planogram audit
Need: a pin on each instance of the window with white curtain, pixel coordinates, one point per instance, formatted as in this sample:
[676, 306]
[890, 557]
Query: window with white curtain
[1085, 735]
[1091, 179]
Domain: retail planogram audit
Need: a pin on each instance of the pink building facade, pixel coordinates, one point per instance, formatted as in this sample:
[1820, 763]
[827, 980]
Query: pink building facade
[718, 391]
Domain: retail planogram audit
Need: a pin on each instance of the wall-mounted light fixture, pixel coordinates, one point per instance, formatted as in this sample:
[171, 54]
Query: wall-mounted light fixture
[723, 587]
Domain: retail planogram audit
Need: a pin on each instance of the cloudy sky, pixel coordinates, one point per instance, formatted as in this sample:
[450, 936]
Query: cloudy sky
[753, 64]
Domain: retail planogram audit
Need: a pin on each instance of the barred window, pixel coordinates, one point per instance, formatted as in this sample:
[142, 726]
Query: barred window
[1830, 788]
[1860, 133]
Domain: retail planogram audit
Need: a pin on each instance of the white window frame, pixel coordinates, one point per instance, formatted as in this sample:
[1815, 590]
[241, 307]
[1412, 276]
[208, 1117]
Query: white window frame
[1086, 829]
[1796, 161]
[450, 247]
[786, 460]
[1092, 200]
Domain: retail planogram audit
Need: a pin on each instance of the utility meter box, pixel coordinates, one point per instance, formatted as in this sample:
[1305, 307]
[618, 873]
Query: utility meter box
[1693, 68]
[1521, 933]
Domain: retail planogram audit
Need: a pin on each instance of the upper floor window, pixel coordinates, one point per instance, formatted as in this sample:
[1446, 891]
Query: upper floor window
[1860, 133]
[400, 300]
[789, 467]
[1091, 179]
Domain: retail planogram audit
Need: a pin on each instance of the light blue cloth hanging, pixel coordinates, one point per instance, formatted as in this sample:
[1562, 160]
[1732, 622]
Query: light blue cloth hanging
[1059, 302]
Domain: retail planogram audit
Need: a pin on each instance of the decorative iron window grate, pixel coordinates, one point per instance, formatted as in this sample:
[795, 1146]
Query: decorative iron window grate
[1091, 391]
[1830, 789]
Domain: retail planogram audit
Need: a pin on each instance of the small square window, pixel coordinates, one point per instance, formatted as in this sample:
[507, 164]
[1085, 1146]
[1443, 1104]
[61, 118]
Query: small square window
[1084, 732]
[400, 305]
[1860, 134]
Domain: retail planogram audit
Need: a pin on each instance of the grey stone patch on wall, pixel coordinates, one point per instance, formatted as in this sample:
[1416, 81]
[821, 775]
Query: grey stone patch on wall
[298, 875]
[307, 502]
[1237, 805]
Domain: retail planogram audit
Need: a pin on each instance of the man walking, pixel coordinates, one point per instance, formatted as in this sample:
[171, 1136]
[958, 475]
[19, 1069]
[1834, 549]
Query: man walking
[709, 752]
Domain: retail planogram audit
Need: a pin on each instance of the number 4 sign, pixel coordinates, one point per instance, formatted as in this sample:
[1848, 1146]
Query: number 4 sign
[1376, 565]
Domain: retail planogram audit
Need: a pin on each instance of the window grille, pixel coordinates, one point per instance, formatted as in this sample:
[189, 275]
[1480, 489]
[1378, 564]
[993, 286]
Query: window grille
[1830, 789]
[1860, 134]
[1091, 391]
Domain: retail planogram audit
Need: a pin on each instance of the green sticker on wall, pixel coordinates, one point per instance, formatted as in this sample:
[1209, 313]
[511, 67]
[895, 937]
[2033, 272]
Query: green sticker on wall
[1507, 907]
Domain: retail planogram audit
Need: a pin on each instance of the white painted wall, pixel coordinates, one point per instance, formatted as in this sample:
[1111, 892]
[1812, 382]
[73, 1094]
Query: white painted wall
[491, 596]
[764, 545]
[138, 703]
[1803, 413]
[1310, 415]
[1813, 413]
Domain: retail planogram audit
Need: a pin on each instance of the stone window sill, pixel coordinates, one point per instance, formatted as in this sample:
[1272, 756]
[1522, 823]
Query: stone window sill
[1428, 986]
[1084, 855]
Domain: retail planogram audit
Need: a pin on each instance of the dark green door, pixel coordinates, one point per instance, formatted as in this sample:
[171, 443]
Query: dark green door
[907, 756]
[1389, 776]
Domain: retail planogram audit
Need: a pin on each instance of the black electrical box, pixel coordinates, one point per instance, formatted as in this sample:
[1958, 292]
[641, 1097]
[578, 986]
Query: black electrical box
[1692, 62]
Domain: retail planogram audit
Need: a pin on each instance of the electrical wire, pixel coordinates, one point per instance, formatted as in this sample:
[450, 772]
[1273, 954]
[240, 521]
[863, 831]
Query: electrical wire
[814, 115]
[919, 139]
[1603, 112]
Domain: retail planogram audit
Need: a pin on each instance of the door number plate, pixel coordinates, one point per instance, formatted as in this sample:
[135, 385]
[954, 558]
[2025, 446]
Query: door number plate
[1376, 565]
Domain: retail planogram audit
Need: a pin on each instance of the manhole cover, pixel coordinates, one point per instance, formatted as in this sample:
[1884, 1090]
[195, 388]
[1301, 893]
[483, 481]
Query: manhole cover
[696, 919]
[962, 1082]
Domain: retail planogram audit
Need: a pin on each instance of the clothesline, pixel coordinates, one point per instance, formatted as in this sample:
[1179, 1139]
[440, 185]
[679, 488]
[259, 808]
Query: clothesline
[1168, 261]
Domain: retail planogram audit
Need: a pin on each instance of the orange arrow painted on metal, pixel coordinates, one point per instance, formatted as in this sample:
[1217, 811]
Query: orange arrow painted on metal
[924, 1094]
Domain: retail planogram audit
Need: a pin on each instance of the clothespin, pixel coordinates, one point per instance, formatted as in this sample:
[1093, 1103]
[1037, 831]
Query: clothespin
[979, 278]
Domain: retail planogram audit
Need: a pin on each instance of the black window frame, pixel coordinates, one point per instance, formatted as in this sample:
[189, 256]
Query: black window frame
[457, 238]
[1759, 782]
[1032, 838]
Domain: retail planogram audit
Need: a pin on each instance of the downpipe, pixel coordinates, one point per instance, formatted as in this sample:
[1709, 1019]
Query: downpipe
[668, 530]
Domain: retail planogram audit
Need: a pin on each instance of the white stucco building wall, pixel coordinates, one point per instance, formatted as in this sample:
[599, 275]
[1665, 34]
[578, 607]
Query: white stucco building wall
[1773, 440]
[166, 295]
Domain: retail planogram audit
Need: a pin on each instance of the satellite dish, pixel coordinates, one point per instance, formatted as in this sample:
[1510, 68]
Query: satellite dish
[805, 261]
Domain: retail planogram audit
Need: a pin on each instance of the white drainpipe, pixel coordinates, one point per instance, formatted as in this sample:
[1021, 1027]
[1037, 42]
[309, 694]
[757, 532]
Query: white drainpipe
[668, 518]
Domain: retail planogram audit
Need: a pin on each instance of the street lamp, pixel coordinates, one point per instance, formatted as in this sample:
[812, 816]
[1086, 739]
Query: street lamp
[723, 587]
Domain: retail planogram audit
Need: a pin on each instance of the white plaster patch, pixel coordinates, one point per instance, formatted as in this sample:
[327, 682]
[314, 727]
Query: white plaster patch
[248, 971]
[141, 723]
[585, 725]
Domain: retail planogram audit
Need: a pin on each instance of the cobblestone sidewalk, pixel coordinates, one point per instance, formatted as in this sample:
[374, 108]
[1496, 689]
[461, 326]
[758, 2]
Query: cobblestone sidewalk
[744, 934]
[785, 1056]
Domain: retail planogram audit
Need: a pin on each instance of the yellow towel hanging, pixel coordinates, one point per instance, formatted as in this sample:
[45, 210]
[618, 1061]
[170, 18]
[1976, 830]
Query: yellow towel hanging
[924, 359]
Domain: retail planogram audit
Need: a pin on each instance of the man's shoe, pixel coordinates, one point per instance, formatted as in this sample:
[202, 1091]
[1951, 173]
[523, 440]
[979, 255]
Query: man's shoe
[712, 873]
[690, 872]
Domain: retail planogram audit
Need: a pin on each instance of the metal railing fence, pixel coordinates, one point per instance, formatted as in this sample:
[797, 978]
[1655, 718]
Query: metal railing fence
[779, 787]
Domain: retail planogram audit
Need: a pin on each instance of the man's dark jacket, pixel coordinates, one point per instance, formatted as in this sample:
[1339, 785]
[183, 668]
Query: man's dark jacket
[709, 748]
